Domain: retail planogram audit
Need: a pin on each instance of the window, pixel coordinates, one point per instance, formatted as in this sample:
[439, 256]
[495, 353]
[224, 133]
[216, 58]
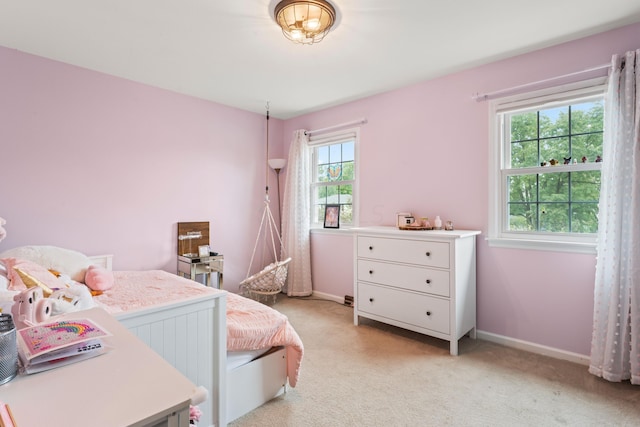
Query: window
[545, 168]
[333, 181]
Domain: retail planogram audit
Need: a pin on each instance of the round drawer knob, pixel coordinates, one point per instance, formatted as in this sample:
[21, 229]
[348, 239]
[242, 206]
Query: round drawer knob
[370, 299]
[370, 248]
[428, 281]
[428, 313]
[370, 271]
[428, 254]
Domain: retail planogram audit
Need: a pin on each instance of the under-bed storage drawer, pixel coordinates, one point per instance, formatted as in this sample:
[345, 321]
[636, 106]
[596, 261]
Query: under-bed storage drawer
[417, 279]
[417, 309]
[244, 393]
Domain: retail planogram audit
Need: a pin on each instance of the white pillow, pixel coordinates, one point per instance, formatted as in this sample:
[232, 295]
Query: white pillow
[66, 261]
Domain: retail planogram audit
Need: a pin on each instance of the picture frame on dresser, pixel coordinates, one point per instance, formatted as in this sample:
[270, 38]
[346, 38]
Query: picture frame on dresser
[332, 216]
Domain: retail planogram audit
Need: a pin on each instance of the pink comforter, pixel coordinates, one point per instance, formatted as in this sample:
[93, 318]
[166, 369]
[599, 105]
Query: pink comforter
[250, 325]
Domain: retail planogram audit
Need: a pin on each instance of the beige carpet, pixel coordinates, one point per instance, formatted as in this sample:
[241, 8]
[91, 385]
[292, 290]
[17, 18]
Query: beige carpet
[377, 375]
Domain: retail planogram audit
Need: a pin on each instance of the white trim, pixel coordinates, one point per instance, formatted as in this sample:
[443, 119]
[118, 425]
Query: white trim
[336, 138]
[361, 121]
[328, 297]
[542, 245]
[496, 235]
[321, 230]
[543, 350]
[552, 95]
[537, 85]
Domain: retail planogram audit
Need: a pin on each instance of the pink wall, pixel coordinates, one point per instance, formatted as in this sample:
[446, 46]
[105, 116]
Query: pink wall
[332, 275]
[425, 150]
[104, 165]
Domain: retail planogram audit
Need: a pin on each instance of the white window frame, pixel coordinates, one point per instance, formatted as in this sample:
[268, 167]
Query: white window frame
[498, 235]
[336, 137]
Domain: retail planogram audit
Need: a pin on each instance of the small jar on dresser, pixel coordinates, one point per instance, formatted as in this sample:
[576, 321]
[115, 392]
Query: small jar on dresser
[423, 281]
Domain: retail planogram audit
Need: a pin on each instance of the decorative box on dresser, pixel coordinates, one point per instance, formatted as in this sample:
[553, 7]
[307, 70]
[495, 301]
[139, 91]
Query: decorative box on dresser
[423, 281]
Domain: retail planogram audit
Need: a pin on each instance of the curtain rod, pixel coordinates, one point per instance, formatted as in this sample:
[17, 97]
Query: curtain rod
[513, 90]
[361, 121]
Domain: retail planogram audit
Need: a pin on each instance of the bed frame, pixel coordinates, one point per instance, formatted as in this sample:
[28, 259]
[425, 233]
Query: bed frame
[191, 335]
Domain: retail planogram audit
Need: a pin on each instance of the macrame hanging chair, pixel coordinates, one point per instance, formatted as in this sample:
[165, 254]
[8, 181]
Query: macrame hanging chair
[270, 280]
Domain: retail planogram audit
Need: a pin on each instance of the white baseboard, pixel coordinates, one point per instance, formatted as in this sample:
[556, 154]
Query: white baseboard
[502, 340]
[534, 348]
[329, 297]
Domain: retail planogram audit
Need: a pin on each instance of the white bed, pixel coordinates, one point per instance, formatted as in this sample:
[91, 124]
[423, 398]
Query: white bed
[192, 336]
[191, 333]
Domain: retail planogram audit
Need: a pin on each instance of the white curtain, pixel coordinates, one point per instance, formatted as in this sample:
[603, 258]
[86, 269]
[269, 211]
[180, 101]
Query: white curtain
[615, 344]
[295, 217]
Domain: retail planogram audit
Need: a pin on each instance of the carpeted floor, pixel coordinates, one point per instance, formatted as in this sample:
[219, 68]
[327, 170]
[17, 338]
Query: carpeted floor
[378, 375]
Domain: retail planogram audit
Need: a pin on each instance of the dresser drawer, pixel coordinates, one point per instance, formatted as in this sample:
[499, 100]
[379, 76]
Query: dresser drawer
[427, 253]
[407, 307]
[417, 279]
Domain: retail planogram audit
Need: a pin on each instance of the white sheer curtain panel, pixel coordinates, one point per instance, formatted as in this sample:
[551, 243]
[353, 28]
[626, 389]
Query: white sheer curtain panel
[615, 343]
[295, 217]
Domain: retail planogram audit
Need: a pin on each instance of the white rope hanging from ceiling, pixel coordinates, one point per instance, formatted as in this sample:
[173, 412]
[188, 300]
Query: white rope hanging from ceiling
[271, 279]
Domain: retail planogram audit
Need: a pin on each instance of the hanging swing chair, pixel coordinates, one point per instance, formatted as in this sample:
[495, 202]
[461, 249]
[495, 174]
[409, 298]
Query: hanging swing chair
[270, 280]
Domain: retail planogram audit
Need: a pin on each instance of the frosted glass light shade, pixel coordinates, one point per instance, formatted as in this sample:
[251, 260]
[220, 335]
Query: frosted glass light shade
[277, 164]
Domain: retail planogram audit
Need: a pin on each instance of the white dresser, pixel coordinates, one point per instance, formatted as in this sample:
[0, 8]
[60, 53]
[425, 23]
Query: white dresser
[424, 281]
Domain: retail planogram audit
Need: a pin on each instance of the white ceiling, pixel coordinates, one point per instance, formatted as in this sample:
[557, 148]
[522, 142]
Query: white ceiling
[232, 52]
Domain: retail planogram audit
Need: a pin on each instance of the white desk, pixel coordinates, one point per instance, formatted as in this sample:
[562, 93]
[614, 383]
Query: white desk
[128, 386]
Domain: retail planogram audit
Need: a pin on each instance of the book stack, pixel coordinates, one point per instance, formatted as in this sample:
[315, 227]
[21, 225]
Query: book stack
[55, 344]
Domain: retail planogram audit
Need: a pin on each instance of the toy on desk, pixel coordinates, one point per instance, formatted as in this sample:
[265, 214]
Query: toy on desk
[74, 298]
[30, 307]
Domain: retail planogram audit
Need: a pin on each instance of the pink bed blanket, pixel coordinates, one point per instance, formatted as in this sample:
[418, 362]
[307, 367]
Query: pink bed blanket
[250, 324]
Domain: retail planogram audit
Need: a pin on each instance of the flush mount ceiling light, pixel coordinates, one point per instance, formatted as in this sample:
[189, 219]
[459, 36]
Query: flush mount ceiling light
[305, 22]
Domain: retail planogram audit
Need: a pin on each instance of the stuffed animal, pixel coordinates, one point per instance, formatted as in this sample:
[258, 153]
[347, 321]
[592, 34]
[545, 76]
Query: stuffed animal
[74, 298]
[98, 279]
[31, 281]
[30, 307]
